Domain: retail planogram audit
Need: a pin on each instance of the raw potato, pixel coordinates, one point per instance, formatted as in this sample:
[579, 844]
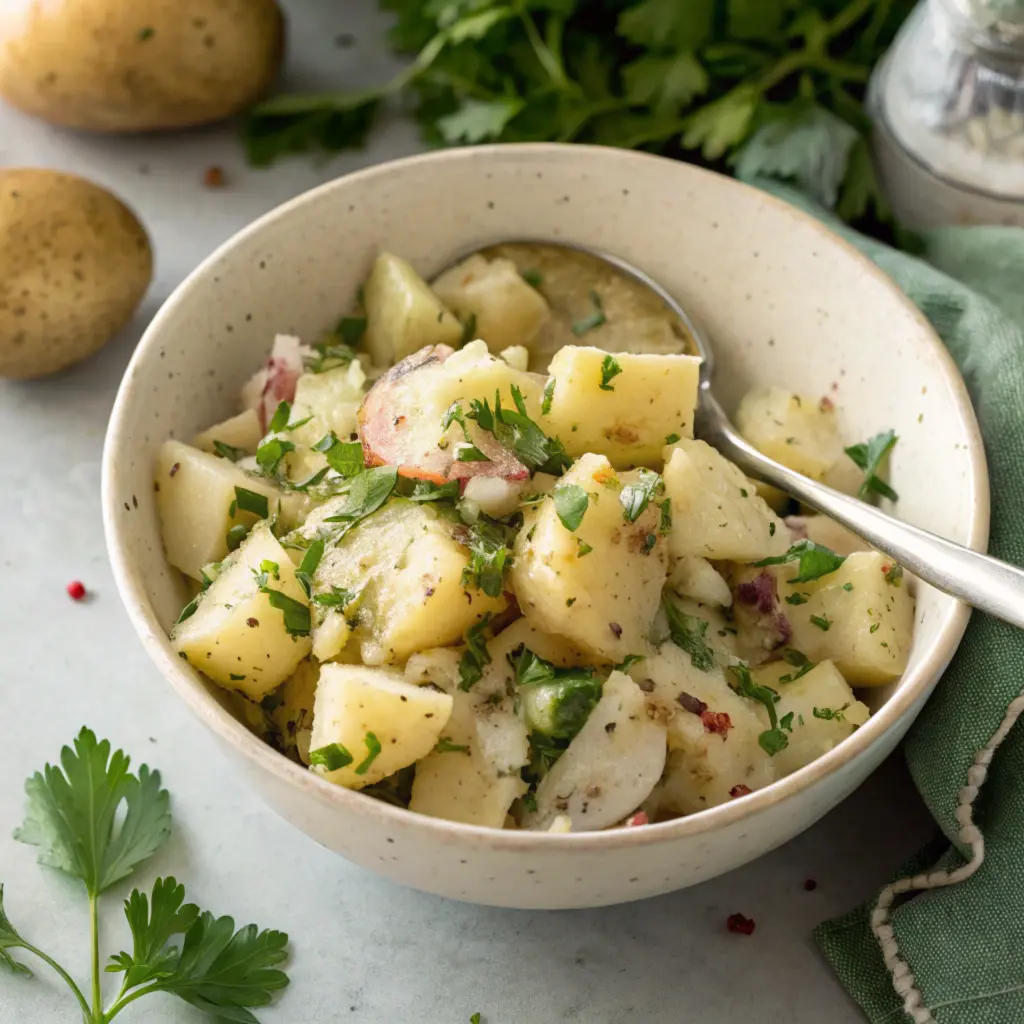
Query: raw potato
[869, 626]
[74, 264]
[492, 296]
[822, 688]
[236, 637]
[408, 568]
[195, 491]
[241, 431]
[112, 66]
[704, 766]
[652, 399]
[716, 513]
[603, 601]
[353, 701]
[402, 314]
[609, 768]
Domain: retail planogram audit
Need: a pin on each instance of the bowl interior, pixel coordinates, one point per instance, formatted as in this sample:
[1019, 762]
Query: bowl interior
[785, 303]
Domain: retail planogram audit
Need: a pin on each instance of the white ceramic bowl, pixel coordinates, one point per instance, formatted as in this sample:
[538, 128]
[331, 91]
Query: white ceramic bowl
[785, 302]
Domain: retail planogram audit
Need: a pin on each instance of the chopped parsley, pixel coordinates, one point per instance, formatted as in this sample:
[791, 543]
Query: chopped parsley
[874, 627]
[331, 758]
[344, 457]
[514, 429]
[869, 456]
[270, 453]
[849, 586]
[475, 656]
[351, 329]
[571, 503]
[469, 453]
[228, 451]
[687, 632]
[373, 749]
[338, 597]
[634, 498]
[235, 536]
[280, 418]
[830, 714]
[771, 740]
[593, 319]
[672, 438]
[666, 515]
[582, 548]
[771, 528]
[296, 615]
[549, 394]
[628, 662]
[308, 566]
[796, 598]
[895, 575]
[446, 746]
[329, 354]
[251, 501]
[369, 490]
[469, 329]
[822, 622]
[610, 369]
[813, 561]
[534, 278]
[799, 661]
[489, 554]
[427, 490]
[311, 481]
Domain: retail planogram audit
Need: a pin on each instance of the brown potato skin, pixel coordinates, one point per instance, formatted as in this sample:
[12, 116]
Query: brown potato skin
[74, 264]
[138, 65]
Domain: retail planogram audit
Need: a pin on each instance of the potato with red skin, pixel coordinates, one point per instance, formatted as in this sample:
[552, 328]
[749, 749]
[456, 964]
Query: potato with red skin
[399, 422]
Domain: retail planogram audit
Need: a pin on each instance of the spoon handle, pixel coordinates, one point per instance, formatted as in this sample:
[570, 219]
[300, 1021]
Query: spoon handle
[986, 583]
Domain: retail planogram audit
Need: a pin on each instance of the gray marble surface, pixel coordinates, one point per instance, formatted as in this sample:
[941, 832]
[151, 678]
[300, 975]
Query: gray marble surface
[363, 950]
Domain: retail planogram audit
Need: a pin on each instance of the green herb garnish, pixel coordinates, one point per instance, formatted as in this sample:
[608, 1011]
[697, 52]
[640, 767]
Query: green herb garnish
[331, 758]
[571, 503]
[549, 394]
[469, 453]
[687, 632]
[771, 740]
[369, 490]
[344, 457]
[813, 561]
[427, 490]
[445, 746]
[534, 278]
[270, 453]
[251, 501]
[672, 438]
[799, 661]
[610, 369]
[895, 575]
[280, 418]
[869, 456]
[373, 749]
[514, 430]
[227, 451]
[582, 548]
[475, 656]
[489, 554]
[308, 565]
[822, 622]
[592, 320]
[830, 714]
[636, 497]
[97, 821]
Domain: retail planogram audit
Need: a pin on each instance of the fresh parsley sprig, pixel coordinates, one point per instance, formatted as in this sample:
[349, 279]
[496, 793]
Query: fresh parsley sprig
[515, 430]
[687, 632]
[870, 456]
[813, 561]
[97, 821]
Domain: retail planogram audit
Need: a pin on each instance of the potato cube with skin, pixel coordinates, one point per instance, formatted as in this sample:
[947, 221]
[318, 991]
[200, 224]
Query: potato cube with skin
[599, 586]
[861, 616]
[407, 567]
[712, 732]
[195, 496]
[610, 767]
[241, 431]
[369, 722]
[824, 711]
[716, 513]
[236, 636]
[627, 416]
[492, 296]
[402, 314]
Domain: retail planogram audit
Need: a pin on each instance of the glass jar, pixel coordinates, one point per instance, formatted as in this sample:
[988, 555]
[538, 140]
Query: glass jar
[947, 101]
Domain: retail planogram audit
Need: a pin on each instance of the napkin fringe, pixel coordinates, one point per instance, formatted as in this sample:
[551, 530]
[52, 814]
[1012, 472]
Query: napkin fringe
[970, 836]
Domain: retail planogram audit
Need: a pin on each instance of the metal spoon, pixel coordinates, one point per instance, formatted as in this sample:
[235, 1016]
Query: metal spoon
[984, 582]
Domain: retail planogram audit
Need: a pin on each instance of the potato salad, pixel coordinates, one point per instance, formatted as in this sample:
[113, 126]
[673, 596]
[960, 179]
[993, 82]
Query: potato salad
[463, 553]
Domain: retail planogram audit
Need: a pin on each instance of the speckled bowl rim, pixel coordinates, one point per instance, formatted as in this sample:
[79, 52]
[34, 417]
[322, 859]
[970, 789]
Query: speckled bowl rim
[133, 592]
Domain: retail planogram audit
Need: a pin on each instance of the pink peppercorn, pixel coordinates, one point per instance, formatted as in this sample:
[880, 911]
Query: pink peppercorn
[76, 590]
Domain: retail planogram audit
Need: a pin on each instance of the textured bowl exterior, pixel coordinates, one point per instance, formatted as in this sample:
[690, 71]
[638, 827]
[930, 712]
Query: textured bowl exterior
[785, 302]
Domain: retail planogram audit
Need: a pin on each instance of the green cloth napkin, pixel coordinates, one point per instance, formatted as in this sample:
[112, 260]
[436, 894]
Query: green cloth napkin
[955, 952]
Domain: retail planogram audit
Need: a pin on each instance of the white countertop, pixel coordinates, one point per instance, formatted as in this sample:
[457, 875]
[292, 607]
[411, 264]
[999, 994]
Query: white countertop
[363, 949]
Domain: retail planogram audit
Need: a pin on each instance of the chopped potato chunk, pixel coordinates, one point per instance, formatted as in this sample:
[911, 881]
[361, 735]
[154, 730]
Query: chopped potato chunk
[292, 712]
[236, 636]
[402, 313]
[197, 504]
[625, 407]
[823, 707]
[368, 723]
[599, 585]
[716, 513]
[492, 297]
[241, 431]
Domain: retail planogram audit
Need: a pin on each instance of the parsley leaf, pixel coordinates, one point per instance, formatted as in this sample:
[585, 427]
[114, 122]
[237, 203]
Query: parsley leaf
[610, 368]
[636, 497]
[344, 457]
[571, 503]
[813, 561]
[445, 746]
[331, 758]
[830, 714]
[514, 429]
[589, 322]
[297, 619]
[687, 632]
[280, 418]
[373, 749]
[475, 656]
[489, 554]
[270, 453]
[427, 490]
[870, 456]
[369, 490]
[73, 814]
[798, 660]
[10, 939]
[227, 451]
[251, 501]
[308, 565]
[549, 394]
[216, 969]
[479, 120]
[771, 740]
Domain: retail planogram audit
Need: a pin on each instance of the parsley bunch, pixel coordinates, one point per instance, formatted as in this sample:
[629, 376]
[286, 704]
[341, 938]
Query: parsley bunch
[765, 87]
[95, 820]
